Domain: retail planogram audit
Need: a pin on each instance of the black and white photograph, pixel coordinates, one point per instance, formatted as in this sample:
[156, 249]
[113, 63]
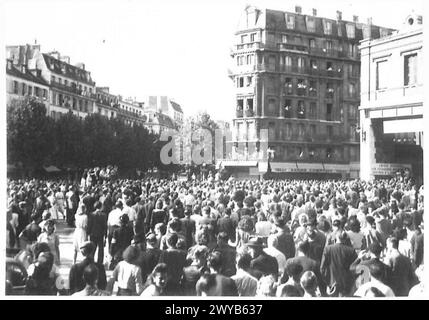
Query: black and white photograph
[259, 150]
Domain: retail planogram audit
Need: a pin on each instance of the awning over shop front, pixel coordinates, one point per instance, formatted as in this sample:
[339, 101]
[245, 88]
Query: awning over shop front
[239, 163]
[279, 167]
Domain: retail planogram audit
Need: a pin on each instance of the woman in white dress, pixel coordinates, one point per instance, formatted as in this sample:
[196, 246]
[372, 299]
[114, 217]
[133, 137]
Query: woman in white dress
[80, 233]
[53, 205]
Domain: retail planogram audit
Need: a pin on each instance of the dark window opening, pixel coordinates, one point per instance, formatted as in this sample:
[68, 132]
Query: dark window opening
[329, 112]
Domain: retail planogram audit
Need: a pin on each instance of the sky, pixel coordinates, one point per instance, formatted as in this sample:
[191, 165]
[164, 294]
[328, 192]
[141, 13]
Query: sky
[164, 47]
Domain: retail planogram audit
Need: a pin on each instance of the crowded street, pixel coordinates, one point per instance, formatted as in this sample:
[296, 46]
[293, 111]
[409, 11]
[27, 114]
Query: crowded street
[211, 237]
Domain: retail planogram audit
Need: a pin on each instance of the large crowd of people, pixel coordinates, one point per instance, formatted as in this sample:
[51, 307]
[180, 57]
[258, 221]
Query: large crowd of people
[263, 238]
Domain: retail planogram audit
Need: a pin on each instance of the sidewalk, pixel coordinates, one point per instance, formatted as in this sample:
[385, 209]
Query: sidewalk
[65, 234]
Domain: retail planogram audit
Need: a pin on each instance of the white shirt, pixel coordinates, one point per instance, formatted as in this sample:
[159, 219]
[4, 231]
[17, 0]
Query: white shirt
[376, 284]
[128, 276]
[263, 228]
[418, 291]
[130, 212]
[114, 217]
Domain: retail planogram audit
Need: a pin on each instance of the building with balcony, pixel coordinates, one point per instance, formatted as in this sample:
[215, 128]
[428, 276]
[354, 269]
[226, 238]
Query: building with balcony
[106, 104]
[22, 83]
[297, 77]
[130, 111]
[391, 108]
[71, 86]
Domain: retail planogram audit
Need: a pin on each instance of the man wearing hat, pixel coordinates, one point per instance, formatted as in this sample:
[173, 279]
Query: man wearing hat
[336, 261]
[262, 264]
[76, 280]
[284, 239]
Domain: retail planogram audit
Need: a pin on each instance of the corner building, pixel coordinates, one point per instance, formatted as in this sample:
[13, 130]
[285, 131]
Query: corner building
[391, 110]
[298, 77]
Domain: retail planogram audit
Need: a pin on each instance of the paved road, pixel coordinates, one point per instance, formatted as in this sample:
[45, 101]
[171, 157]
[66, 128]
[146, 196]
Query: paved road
[65, 234]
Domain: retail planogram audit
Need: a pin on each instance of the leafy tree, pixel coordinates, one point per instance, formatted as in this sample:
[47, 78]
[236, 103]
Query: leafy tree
[29, 134]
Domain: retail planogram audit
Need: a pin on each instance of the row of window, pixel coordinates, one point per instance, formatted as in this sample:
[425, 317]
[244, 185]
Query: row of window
[23, 89]
[72, 84]
[64, 68]
[303, 87]
[130, 109]
[327, 26]
[64, 100]
[244, 81]
[329, 45]
[247, 131]
[384, 72]
[294, 109]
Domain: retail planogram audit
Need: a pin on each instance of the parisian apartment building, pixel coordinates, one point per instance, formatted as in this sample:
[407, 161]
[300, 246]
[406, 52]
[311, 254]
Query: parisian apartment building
[64, 87]
[298, 77]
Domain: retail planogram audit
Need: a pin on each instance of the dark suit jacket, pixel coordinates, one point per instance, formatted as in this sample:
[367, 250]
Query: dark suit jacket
[286, 244]
[148, 260]
[362, 276]
[176, 261]
[77, 283]
[403, 277]
[228, 254]
[335, 266]
[264, 265]
[226, 224]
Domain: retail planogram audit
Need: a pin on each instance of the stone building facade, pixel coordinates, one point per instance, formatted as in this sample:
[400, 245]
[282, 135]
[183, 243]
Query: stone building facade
[297, 76]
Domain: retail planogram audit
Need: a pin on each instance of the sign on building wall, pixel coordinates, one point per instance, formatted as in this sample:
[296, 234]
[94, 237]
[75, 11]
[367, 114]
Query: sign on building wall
[388, 169]
[400, 126]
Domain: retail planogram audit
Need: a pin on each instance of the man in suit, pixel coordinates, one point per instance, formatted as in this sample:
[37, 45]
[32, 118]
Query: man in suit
[175, 260]
[97, 229]
[215, 284]
[226, 224]
[149, 258]
[262, 264]
[228, 254]
[76, 280]
[139, 226]
[285, 242]
[361, 266]
[403, 277]
[147, 209]
[335, 266]
[307, 263]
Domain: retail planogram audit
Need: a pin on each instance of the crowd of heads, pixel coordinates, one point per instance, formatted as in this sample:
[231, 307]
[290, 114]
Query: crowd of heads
[211, 221]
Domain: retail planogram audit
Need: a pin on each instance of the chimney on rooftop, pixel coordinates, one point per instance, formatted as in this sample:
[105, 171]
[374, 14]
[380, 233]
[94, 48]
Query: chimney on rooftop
[298, 9]
[55, 54]
[355, 19]
[314, 12]
[80, 65]
[65, 59]
[9, 64]
[339, 15]
[24, 68]
[370, 21]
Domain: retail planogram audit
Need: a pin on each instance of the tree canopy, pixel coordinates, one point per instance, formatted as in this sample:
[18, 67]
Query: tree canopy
[34, 140]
